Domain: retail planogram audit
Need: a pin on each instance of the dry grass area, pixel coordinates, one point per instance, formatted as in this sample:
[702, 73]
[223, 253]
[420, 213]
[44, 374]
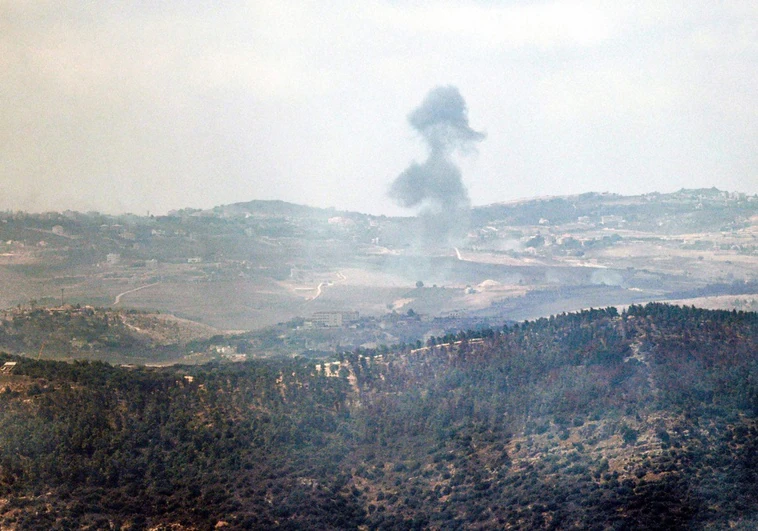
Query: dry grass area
[14, 286]
[484, 294]
[165, 329]
[484, 257]
[237, 305]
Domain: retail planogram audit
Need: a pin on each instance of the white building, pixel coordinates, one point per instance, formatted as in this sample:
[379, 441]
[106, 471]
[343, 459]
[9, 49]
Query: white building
[334, 318]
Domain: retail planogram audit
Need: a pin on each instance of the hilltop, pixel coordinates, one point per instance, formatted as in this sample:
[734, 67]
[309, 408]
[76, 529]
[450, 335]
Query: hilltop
[86, 333]
[643, 419]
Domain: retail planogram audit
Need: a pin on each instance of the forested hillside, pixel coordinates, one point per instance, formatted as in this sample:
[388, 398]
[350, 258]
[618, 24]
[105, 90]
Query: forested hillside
[74, 332]
[594, 420]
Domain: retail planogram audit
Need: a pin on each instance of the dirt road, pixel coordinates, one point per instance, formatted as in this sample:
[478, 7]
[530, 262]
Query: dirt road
[118, 297]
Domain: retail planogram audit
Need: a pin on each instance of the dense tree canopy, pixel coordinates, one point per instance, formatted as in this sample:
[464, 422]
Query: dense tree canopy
[644, 419]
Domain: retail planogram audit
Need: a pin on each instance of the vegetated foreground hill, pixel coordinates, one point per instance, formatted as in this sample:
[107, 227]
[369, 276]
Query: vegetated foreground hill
[595, 420]
[124, 336]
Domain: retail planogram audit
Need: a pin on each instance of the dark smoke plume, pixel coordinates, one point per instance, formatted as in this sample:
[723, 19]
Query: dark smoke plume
[436, 185]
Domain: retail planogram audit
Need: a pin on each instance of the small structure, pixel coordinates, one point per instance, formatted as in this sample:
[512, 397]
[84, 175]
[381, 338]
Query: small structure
[334, 319]
[612, 220]
[8, 367]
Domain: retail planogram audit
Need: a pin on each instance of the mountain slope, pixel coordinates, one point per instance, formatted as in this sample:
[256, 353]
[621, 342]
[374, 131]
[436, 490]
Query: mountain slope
[595, 420]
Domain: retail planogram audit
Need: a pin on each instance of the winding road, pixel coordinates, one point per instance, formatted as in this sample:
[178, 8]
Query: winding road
[318, 290]
[118, 297]
[322, 285]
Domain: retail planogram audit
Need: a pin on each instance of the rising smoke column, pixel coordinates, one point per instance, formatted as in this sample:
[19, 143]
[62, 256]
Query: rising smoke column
[436, 185]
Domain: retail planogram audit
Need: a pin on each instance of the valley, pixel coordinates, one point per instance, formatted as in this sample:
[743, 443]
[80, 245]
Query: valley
[261, 266]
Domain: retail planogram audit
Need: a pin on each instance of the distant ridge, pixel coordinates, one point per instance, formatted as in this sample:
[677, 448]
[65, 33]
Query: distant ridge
[278, 207]
[563, 209]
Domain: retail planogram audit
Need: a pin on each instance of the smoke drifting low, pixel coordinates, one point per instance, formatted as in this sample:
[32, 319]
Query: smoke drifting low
[436, 186]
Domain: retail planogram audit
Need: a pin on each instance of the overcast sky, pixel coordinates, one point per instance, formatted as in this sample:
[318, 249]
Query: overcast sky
[140, 105]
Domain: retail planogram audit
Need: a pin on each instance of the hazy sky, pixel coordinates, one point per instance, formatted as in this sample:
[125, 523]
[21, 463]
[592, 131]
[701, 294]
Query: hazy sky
[140, 105]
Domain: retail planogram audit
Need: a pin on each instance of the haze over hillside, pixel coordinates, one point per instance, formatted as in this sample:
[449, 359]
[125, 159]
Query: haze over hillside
[247, 266]
[428, 352]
